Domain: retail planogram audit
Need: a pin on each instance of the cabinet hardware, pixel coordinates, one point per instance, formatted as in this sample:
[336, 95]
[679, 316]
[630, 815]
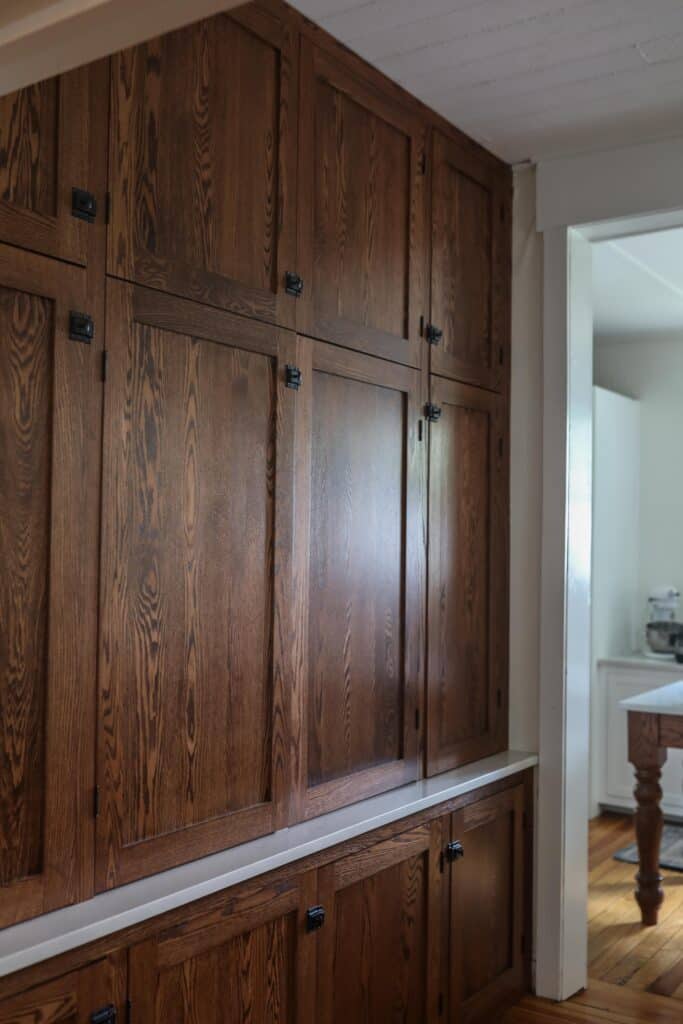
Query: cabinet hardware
[107, 1015]
[454, 851]
[315, 918]
[432, 412]
[439, 1008]
[293, 377]
[419, 430]
[434, 334]
[105, 360]
[81, 327]
[96, 802]
[294, 285]
[423, 163]
[83, 205]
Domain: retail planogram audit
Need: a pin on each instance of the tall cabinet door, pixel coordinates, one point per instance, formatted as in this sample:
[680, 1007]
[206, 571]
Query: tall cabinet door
[361, 559]
[45, 134]
[467, 572]
[251, 960]
[194, 676]
[96, 992]
[470, 264]
[379, 957]
[202, 159]
[361, 218]
[487, 882]
[50, 413]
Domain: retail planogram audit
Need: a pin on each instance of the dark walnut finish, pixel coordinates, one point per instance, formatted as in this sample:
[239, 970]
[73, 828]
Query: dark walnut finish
[470, 244]
[467, 573]
[361, 216]
[202, 160]
[197, 506]
[50, 409]
[76, 998]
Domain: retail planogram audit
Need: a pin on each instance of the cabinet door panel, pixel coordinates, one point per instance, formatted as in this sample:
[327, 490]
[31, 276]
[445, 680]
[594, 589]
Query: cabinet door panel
[379, 947]
[251, 960]
[363, 553]
[470, 264]
[197, 499]
[487, 906]
[73, 999]
[44, 139]
[361, 200]
[202, 153]
[50, 408]
[467, 606]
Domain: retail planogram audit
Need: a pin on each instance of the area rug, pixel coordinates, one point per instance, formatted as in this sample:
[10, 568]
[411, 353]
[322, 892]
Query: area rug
[670, 854]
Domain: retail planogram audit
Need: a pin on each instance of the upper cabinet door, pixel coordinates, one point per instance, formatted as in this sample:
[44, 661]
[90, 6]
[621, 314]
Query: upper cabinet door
[360, 559]
[361, 197]
[82, 996]
[45, 134]
[194, 677]
[467, 603]
[203, 150]
[50, 415]
[470, 263]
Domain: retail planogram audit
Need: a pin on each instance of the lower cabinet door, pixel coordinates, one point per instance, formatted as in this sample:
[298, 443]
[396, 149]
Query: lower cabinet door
[94, 993]
[251, 959]
[486, 856]
[379, 946]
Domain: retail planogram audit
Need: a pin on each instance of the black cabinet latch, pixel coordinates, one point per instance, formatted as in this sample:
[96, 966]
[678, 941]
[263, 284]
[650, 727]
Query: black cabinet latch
[107, 1015]
[315, 918]
[81, 327]
[83, 205]
[432, 412]
[454, 851]
[293, 377]
[294, 285]
[434, 334]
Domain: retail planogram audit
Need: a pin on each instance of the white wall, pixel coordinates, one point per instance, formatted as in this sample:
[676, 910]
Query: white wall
[650, 368]
[525, 453]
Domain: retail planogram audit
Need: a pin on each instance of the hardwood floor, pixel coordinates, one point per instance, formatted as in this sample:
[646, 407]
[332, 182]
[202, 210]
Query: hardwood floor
[636, 973]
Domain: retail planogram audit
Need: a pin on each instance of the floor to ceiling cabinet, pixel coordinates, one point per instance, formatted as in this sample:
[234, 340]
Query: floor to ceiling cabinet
[93, 994]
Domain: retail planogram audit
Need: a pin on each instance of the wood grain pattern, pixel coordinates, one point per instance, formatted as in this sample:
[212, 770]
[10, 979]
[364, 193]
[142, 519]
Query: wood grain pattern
[467, 577]
[28, 147]
[201, 155]
[647, 755]
[71, 999]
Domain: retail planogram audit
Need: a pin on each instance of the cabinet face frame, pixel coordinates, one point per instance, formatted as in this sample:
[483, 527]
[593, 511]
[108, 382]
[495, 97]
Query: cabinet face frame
[316, 63]
[424, 840]
[480, 1006]
[238, 915]
[118, 862]
[494, 180]
[131, 260]
[444, 757]
[77, 996]
[81, 97]
[311, 801]
[65, 875]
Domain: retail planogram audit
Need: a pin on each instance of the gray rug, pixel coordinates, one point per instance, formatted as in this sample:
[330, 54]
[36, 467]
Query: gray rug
[670, 854]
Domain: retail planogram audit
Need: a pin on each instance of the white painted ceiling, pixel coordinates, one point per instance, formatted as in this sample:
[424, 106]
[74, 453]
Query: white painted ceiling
[638, 285]
[527, 78]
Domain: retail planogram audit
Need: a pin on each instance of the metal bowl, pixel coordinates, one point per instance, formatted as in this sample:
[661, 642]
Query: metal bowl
[664, 637]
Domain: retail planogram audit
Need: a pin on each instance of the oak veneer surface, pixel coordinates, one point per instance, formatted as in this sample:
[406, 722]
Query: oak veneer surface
[72, 999]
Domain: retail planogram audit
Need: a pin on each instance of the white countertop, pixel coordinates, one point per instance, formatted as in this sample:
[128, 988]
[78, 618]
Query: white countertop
[34, 941]
[641, 661]
[665, 700]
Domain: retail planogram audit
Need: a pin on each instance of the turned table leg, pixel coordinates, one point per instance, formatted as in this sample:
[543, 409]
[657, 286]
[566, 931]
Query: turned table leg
[647, 757]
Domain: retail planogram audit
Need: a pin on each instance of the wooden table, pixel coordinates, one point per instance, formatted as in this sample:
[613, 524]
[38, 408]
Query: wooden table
[655, 722]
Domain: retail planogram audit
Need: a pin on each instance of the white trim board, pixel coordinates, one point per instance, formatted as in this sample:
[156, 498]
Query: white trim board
[44, 937]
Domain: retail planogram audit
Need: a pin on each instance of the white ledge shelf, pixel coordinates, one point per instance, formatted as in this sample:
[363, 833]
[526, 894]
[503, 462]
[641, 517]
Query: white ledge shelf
[31, 942]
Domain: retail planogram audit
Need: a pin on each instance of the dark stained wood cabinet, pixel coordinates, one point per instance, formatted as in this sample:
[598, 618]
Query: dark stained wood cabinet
[361, 212]
[197, 506]
[470, 254]
[487, 907]
[45, 135]
[467, 576]
[76, 998]
[202, 163]
[50, 411]
[361, 559]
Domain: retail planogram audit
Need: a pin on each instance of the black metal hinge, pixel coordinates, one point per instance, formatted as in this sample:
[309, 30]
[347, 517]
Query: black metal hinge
[434, 334]
[423, 163]
[417, 719]
[454, 851]
[294, 285]
[107, 1015]
[105, 362]
[419, 430]
[439, 1005]
[315, 918]
[81, 327]
[83, 205]
[293, 377]
[129, 1011]
[96, 802]
[432, 412]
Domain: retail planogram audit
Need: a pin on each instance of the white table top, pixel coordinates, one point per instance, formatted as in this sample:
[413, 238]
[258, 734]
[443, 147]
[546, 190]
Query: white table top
[665, 700]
